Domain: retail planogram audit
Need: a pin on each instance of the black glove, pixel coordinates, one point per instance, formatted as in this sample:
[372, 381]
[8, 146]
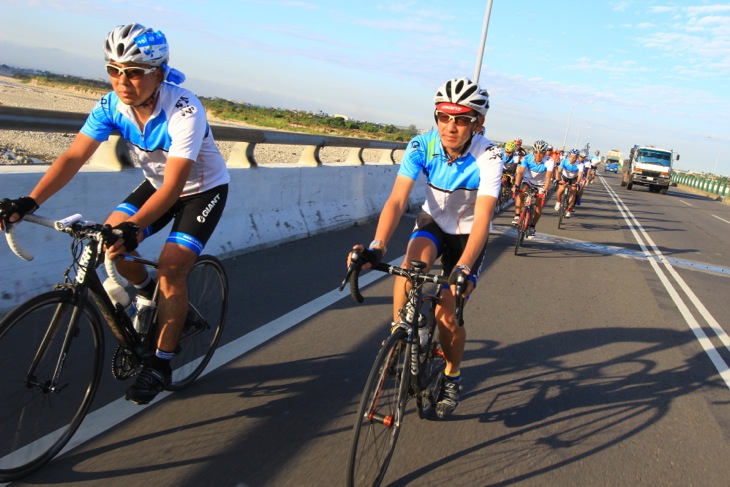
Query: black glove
[22, 206]
[459, 271]
[361, 257]
[128, 232]
[374, 256]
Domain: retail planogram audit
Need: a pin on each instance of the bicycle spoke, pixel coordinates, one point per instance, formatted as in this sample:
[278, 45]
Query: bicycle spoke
[44, 395]
[208, 295]
[380, 413]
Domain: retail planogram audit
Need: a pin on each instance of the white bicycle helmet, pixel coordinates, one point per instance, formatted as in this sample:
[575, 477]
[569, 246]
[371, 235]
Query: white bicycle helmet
[463, 91]
[540, 146]
[135, 43]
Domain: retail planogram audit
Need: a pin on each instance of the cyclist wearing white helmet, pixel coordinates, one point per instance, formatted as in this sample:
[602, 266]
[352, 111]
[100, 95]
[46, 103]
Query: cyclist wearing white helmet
[166, 127]
[536, 171]
[463, 171]
[582, 159]
[570, 172]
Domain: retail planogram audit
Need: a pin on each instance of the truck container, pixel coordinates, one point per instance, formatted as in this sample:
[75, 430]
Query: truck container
[613, 161]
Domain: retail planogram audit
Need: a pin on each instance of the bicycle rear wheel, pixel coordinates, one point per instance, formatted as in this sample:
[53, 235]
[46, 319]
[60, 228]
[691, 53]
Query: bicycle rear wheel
[380, 414]
[49, 334]
[430, 371]
[208, 297]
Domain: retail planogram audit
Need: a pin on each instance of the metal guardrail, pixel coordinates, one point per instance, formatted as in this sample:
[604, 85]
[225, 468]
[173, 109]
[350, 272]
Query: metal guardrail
[242, 155]
[711, 186]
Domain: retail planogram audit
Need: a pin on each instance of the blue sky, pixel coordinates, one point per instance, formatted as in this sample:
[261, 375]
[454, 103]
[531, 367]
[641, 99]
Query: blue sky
[657, 72]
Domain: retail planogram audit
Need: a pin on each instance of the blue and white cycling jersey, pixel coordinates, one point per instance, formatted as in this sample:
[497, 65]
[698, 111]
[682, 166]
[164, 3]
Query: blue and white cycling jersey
[452, 187]
[570, 170]
[536, 174]
[178, 127]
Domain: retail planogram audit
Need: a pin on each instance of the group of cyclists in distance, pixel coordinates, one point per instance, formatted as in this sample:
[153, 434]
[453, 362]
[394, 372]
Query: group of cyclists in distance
[545, 167]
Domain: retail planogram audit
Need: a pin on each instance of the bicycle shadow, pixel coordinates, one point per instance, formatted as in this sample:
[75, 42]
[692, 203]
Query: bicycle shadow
[542, 405]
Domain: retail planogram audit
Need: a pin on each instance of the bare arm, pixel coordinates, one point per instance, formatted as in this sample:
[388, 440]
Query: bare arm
[394, 208]
[518, 175]
[548, 179]
[64, 168]
[483, 211]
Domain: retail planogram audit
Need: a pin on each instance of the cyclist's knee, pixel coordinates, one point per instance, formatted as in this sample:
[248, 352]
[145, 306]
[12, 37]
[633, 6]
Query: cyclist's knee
[175, 262]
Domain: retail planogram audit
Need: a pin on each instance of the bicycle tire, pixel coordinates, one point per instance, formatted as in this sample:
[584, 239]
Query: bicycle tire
[430, 370]
[564, 199]
[38, 422]
[380, 413]
[521, 229]
[208, 297]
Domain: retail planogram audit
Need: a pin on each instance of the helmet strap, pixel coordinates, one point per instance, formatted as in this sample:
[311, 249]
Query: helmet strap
[450, 160]
[149, 102]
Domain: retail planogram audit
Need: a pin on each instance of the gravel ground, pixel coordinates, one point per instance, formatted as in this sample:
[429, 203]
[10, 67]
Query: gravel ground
[18, 147]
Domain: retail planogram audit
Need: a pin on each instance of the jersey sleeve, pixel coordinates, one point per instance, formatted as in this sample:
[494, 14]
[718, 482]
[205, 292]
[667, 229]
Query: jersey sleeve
[99, 124]
[490, 172]
[413, 159]
[188, 127]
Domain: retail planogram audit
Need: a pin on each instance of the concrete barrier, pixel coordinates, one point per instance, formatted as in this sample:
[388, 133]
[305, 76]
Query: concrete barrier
[266, 206]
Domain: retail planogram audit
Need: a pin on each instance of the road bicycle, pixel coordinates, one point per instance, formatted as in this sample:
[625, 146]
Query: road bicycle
[52, 346]
[408, 365]
[527, 214]
[564, 201]
[505, 190]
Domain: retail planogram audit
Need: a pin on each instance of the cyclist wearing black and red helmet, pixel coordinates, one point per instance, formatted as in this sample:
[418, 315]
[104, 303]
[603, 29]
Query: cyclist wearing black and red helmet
[463, 170]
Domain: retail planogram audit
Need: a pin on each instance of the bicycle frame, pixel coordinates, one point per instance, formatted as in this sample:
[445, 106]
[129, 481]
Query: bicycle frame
[527, 214]
[409, 317]
[87, 280]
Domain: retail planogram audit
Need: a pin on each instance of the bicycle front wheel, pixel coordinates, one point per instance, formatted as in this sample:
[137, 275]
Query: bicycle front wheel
[51, 350]
[380, 414]
[563, 206]
[521, 229]
[208, 297]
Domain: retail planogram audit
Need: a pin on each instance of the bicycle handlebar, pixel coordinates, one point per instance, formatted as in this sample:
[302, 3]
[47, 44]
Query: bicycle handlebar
[73, 225]
[413, 275]
[461, 284]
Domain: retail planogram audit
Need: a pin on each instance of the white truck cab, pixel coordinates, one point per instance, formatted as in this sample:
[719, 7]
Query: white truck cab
[649, 166]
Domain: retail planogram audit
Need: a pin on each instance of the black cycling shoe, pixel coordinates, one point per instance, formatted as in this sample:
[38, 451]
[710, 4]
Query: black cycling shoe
[448, 397]
[149, 383]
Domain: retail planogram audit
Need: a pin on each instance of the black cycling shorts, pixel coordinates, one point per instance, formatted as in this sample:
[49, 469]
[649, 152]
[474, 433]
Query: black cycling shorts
[570, 181]
[195, 216]
[448, 246]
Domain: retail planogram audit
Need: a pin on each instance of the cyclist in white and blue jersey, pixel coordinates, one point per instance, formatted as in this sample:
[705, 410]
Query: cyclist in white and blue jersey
[536, 170]
[166, 128]
[570, 172]
[463, 170]
[587, 171]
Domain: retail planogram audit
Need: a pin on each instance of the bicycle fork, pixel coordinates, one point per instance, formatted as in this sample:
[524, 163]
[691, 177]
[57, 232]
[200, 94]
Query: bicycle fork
[72, 332]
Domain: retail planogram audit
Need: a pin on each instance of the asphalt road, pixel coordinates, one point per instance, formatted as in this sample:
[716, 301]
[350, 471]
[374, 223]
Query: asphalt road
[596, 357]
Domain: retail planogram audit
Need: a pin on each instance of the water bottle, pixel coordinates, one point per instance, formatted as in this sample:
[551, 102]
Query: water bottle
[117, 294]
[145, 312]
[422, 331]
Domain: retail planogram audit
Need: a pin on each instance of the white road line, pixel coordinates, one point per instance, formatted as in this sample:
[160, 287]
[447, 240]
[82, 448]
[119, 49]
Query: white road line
[681, 201]
[721, 218]
[655, 258]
